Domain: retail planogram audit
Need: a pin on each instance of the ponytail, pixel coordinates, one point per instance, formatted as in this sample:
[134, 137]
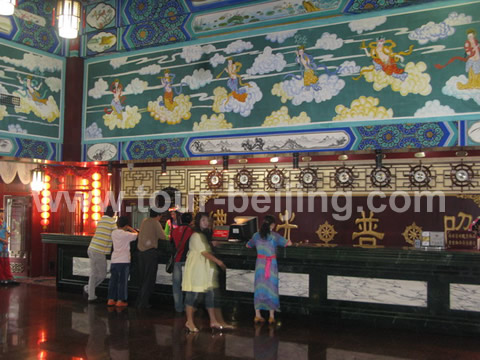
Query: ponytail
[265, 228]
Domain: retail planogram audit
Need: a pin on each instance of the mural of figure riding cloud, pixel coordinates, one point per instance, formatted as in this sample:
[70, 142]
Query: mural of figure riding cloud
[31, 100]
[310, 85]
[472, 59]
[242, 96]
[388, 69]
[168, 108]
[118, 115]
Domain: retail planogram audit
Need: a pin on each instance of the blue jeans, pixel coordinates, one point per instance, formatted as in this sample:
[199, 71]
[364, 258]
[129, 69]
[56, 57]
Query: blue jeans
[177, 286]
[192, 297]
[117, 287]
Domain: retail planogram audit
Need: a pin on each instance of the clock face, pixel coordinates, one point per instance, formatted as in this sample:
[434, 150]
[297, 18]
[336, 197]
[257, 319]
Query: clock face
[275, 179]
[343, 177]
[461, 175]
[214, 180]
[308, 178]
[420, 176]
[380, 176]
[243, 179]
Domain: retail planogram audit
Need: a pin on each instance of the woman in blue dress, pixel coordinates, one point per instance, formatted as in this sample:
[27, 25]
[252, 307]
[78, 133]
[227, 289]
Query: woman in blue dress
[266, 269]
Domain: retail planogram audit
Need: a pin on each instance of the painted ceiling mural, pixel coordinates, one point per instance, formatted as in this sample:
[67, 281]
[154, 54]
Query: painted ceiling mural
[31, 105]
[400, 68]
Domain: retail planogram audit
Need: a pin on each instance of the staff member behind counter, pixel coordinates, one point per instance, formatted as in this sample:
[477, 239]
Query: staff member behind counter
[150, 232]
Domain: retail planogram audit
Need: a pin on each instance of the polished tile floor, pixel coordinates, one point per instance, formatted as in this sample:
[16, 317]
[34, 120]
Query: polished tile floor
[36, 322]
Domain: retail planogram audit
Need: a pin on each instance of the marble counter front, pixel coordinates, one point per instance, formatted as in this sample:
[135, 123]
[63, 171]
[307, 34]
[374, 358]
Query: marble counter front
[439, 291]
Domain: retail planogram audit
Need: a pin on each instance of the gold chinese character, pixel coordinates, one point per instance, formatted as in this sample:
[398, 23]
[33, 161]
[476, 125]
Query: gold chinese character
[367, 226]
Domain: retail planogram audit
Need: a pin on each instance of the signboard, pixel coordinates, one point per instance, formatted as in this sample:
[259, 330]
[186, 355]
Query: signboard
[462, 239]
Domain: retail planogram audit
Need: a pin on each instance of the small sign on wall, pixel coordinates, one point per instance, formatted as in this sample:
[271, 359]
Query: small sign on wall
[462, 239]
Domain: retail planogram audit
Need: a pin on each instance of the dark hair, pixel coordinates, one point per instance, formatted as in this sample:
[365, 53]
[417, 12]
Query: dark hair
[265, 228]
[197, 228]
[109, 211]
[186, 218]
[122, 221]
[154, 213]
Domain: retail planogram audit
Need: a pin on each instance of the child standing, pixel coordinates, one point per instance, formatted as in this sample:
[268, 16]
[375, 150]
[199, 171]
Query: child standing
[266, 269]
[120, 263]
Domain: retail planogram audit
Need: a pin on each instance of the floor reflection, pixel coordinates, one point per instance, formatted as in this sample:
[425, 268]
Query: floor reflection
[36, 322]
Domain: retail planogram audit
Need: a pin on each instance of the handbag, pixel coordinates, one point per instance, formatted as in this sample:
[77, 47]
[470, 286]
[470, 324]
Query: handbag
[171, 260]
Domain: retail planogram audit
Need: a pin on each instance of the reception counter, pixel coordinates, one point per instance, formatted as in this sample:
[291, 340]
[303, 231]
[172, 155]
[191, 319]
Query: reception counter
[413, 289]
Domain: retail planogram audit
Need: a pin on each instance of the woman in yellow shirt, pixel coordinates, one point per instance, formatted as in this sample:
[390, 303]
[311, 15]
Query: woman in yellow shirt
[201, 274]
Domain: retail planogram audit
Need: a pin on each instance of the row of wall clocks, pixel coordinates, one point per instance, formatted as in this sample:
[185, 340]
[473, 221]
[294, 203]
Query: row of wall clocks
[420, 176]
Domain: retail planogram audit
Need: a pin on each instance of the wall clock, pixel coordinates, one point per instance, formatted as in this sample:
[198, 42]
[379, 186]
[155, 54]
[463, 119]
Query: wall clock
[381, 177]
[308, 178]
[462, 175]
[420, 176]
[275, 179]
[214, 179]
[243, 179]
[344, 177]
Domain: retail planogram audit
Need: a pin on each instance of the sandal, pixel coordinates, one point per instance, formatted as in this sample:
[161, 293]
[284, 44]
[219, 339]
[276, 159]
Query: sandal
[191, 330]
[258, 320]
[272, 321]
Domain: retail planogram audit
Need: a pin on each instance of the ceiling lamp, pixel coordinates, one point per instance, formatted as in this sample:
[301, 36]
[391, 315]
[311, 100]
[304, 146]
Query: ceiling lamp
[38, 179]
[7, 7]
[69, 13]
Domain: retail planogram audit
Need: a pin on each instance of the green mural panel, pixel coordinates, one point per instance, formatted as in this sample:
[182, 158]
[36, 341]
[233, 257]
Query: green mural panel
[31, 84]
[420, 65]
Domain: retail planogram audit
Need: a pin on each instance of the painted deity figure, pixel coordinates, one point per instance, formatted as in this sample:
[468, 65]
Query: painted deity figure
[31, 88]
[234, 80]
[308, 67]
[117, 89]
[385, 58]
[167, 83]
[472, 67]
[472, 60]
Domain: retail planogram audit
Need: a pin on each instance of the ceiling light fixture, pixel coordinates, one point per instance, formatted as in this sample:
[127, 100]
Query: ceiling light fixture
[7, 7]
[109, 169]
[213, 162]
[38, 179]
[68, 13]
[274, 159]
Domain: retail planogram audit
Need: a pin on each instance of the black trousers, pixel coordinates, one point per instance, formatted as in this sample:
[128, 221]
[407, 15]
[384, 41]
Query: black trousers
[147, 275]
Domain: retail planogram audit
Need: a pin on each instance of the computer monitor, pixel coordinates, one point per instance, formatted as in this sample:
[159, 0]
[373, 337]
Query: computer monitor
[243, 228]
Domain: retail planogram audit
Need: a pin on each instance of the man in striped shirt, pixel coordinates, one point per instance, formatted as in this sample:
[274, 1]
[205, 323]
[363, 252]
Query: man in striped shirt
[100, 247]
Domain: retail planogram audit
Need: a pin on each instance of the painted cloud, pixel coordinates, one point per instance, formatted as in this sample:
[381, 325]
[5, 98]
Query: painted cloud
[238, 46]
[195, 52]
[217, 59]
[434, 108]
[281, 36]
[267, 62]
[432, 31]
[93, 132]
[359, 26]
[99, 89]
[329, 42]
[198, 79]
